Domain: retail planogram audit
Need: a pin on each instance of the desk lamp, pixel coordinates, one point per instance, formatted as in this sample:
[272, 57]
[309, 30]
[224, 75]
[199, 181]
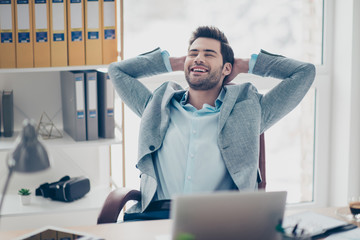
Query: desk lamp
[28, 156]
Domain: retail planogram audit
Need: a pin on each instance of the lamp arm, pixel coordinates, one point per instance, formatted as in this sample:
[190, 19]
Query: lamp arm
[11, 169]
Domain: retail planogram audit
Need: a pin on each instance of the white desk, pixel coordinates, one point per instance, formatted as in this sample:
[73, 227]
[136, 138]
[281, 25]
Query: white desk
[131, 230]
[137, 230]
[46, 211]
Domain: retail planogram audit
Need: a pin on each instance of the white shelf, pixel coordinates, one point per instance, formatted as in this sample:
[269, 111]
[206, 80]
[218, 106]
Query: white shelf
[40, 205]
[67, 141]
[51, 69]
[7, 143]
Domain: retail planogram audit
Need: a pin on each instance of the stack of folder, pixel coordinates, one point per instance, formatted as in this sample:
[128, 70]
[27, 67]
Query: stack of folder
[87, 105]
[53, 33]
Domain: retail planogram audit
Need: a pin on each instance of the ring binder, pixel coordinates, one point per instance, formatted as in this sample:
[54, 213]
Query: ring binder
[8, 113]
[58, 33]
[93, 33]
[109, 30]
[76, 42]
[23, 26]
[73, 104]
[7, 34]
[41, 33]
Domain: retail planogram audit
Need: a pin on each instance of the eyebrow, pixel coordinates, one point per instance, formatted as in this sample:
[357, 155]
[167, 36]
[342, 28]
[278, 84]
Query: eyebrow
[205, 50]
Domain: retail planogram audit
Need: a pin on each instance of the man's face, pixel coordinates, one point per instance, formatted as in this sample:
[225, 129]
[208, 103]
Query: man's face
[203, 67]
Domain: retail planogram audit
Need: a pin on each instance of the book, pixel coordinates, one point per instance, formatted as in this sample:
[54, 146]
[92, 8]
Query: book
[105, 106]
[7, 34]
[73, 104]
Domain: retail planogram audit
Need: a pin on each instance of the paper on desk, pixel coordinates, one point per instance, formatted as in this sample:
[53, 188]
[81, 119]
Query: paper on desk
[348, 235]
[312, 223]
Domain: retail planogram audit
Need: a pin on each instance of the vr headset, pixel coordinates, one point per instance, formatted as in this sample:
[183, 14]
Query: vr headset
[66, 189]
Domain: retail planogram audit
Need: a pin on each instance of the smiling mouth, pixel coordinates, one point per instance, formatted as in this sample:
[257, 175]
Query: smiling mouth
[198, 69]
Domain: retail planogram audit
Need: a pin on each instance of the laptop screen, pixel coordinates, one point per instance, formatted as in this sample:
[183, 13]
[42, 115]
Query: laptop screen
[228, 215]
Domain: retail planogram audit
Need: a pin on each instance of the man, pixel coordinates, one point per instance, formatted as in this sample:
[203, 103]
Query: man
[205, 138]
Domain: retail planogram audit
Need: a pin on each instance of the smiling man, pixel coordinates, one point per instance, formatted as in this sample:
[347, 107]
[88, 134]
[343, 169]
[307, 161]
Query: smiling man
[205, 138]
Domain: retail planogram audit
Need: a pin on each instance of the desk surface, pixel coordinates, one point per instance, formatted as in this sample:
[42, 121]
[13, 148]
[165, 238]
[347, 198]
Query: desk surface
[143, 229]
[130, 230]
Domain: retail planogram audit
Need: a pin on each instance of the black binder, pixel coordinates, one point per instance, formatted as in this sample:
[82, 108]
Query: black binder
[105, 105]
[8, 113]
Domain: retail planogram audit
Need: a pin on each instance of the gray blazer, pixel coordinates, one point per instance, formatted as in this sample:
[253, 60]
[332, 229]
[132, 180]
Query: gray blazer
[244, 114]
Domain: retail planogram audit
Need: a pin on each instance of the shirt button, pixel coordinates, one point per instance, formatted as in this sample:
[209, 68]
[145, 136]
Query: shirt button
[152, 148]
[194, 131]
[189, 177]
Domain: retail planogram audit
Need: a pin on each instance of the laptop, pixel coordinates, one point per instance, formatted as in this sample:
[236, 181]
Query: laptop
[228, 215]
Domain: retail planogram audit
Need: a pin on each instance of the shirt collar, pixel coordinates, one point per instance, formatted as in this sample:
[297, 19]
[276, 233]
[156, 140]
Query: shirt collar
[218, 102]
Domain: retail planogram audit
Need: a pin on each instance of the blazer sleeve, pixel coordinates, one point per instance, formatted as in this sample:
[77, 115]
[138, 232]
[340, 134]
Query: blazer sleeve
[297, 78]
[125, 75]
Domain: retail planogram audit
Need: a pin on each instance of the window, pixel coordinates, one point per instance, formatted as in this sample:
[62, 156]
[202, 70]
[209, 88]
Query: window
[290, 149]
[288, 27]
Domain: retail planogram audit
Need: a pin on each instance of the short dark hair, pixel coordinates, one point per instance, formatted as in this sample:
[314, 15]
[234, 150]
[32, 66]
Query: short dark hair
[214, 33]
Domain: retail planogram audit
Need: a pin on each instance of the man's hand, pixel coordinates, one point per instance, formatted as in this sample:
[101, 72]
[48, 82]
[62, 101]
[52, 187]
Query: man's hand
[177, 63]
[240, 66]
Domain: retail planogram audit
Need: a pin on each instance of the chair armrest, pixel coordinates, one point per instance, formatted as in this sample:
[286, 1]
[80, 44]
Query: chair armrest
[115, 202]
[262, 164]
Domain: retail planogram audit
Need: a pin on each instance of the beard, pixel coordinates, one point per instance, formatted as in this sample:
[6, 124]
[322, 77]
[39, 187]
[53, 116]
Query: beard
[207, 82]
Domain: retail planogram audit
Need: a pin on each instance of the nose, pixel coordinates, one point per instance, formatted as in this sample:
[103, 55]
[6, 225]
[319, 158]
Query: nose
[199, 59]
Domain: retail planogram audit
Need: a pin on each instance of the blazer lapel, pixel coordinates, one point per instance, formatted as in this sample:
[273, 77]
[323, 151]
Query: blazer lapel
[228, 105]
[154, 124]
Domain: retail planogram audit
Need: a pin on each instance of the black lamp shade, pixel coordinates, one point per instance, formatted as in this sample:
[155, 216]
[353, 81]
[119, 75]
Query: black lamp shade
[29, 155]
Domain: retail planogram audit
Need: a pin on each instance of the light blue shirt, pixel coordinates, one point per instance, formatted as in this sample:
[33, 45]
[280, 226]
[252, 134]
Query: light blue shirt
[189, 160]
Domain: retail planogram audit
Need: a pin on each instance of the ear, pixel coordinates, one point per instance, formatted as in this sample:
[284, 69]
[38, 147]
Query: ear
[227, 69]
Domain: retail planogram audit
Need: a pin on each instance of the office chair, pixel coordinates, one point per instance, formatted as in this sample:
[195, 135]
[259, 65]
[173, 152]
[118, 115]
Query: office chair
[117, 199]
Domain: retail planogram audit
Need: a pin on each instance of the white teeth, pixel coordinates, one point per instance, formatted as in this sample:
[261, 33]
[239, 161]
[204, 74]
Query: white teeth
[198, 70]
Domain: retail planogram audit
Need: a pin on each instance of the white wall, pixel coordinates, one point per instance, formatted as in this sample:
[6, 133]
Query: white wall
[34, 93]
